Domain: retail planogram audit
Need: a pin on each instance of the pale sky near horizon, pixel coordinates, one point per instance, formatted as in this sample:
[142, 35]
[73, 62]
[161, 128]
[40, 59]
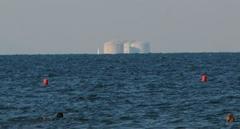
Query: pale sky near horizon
[82, 26]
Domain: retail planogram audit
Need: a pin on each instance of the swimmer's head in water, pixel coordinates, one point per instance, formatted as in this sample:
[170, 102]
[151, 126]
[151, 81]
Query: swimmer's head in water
[230, 118]
[59, 115]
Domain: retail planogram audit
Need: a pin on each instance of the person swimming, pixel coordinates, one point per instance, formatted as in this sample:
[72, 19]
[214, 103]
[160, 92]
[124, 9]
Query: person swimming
[230, 118]
[231, 124]
[59, 115]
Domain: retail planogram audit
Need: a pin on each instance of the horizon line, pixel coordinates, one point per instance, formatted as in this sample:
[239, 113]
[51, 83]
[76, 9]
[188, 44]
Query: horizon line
[33, 54]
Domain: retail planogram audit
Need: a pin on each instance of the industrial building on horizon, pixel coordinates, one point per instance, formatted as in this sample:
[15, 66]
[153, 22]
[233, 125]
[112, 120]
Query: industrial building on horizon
[126, 47]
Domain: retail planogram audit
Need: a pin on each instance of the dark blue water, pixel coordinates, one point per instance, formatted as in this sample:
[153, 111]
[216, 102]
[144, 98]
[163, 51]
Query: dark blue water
[152, 91]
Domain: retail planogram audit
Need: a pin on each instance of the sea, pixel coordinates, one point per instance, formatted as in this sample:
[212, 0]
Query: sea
[135, 91]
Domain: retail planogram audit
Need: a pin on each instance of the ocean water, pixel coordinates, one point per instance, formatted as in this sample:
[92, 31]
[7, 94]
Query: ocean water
[139, 91]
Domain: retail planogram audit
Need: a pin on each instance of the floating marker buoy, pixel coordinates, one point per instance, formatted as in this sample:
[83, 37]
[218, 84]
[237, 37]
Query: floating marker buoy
[204, 78]
[45, 82]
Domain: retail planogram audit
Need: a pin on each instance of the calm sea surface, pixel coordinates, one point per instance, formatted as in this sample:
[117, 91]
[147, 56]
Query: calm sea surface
[152, 91]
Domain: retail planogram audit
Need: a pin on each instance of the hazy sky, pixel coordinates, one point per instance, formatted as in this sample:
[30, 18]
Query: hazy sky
[81, 26]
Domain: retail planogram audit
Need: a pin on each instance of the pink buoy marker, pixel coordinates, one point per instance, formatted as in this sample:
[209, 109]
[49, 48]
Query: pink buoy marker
[204, 78]
[45, 82]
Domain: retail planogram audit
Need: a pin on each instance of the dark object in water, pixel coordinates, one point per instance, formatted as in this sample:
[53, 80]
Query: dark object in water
[230, 118]
[59, 115]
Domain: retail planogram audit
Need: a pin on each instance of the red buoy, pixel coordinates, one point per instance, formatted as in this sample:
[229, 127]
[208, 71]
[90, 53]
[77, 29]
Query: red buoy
[204, 78]
[45, 82]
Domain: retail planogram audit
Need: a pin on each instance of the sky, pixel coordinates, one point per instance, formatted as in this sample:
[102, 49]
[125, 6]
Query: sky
[82, 26]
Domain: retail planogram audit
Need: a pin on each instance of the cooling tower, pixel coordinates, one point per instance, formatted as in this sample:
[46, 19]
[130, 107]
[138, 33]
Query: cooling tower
[128, 46]
[136, 47]
[113, 47]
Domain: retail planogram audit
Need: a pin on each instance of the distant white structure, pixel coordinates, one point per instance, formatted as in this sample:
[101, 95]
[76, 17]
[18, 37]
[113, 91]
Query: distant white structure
[136, 47]
[113, 47]
[126, 47]
[98, 51]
